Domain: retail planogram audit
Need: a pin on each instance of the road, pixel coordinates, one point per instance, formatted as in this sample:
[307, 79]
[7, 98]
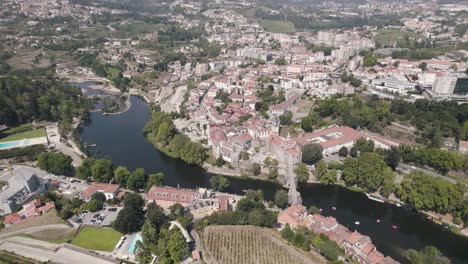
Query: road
[403, 166]
[73, 151]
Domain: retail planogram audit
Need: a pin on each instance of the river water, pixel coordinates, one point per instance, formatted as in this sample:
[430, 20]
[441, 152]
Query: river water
[120, 138]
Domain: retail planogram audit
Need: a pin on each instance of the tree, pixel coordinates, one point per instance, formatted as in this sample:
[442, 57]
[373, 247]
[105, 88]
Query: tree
[93, 205]
[286, 118]
[84, 170]
[363, 145]
[177, 142]
[281, 61]
[287, 233]
[423, 66]
[369, 60]
[281, 199]
[312, 153]
[353, 152]
[99, 196]
[367, 171]
[192, 153]
[219, 162]
[431, 193]
[328, 178]
[155, 179]
[150, 233]
[320, 169]
[177, 247]
[144, 255]
[131, 218]
[165, 133]
[343, 152]
[137, 180]
[256, 169]
[267, 161]
[313, 210]
[392, 157]
[56, 163]
[219, 183]
[121, 175]
[245, 155]
[311, 120]
[428, 254]
[103, 170]
[302, 172]
[330, 250]
[273, 174]
[155, 214]
[254, 195]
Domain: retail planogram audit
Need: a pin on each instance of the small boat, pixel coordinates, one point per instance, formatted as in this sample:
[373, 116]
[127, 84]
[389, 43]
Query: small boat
[394, 227]
[374, 198]
[429, 218]
[334, 208]
[92, 145]
[356, 223]
[321, 209]
[438, 222]
[378, 221]
[399, 205]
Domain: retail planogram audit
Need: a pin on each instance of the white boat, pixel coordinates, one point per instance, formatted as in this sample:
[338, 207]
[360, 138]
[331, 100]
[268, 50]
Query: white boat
[398, 204]
[374, 198]
[356, 223]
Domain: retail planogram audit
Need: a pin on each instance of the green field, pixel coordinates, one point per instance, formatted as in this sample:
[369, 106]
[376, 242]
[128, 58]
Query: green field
[277, 26]
[22, 135]
[102, 239]
[385, 36]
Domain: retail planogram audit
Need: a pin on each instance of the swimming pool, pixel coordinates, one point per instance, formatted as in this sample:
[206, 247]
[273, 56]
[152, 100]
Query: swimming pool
[10, 144]
[132, 247]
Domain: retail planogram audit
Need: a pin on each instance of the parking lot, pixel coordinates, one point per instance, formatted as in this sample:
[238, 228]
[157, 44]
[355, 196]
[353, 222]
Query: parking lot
[100, 218]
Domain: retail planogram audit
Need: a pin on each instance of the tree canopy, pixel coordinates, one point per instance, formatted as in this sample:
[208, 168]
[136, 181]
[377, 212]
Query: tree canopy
[368, 171]
[56, 163]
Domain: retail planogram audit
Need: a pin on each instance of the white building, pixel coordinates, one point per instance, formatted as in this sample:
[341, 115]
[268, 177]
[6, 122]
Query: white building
[451, 83]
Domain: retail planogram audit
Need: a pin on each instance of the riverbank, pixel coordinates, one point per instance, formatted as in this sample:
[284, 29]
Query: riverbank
[120, 138]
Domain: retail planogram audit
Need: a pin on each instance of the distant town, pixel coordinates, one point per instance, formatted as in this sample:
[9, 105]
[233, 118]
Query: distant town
[260, 110]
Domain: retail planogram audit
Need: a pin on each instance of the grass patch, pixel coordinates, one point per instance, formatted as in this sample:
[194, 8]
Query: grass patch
[57, 236]
[11, 258]
[277, 26]
[22, 135]
[385, 36]
[249, 13]
[354, 189]
[102, 239]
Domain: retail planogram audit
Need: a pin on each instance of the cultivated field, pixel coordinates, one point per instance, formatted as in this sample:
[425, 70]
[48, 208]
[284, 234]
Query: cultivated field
[102, 239]
[277, 26]
[246, 244]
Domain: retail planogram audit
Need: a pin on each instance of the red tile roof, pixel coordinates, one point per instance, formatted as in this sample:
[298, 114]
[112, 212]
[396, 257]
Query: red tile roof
[328, 222]
[99, 187]
[183, 196]
[463, 144]
[330, 137]
[11, 218]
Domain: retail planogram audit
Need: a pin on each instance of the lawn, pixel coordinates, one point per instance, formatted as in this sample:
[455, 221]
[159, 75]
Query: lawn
[385, 36]
[102, 239]
[277, 26]
[22, 135]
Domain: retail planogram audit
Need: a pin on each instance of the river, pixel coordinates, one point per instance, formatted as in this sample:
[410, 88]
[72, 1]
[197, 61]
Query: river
[120, 138]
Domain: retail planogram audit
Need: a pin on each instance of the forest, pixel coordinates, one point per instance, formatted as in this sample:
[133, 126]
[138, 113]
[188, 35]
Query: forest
[23, 100]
